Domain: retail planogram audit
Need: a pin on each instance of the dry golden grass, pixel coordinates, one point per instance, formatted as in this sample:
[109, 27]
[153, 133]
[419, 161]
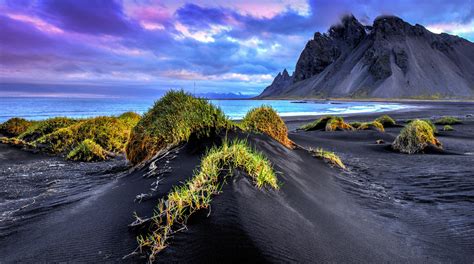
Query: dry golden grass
[328, 156]
[197, 193]
[265, 120]
[415, 137]
[371, 125]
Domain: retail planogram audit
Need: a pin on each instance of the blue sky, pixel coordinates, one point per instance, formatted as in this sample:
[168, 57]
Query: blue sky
[133, 46]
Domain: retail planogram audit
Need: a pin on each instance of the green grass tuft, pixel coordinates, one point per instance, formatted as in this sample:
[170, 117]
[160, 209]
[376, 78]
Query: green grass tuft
[448, 120]
[318, 124]
[87, 150]
[328, 156]
[415, 137]
[130, 118]
[386, 121]
[355, 124]
[371, 125]
[337, 124]
[197, 193]
[173, 119]
[328, 123]
[448, 128]
[45, 127]
[108, 132]
[13, 127]
[265, 119]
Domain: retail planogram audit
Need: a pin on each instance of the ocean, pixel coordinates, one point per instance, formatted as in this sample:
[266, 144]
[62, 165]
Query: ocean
[42, 108]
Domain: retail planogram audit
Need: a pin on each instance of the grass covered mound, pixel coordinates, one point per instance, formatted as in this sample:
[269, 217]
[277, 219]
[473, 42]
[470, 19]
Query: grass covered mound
[337, 124]
[131, 118]
[386, 121]
[15, 142]
[328, 156]
[197, 193]
[355, 124]
[13, 127]
[318, 124]
[375, 125]
[415, 137]
[327, 123]
[87, 150]
[173, 119]
[448, 128]
[41, 128]
[448, 120]
[265, 119]
[108, 132]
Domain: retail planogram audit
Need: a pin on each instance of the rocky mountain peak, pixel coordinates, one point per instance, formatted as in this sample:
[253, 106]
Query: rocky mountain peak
[391, 58]
[350, 30]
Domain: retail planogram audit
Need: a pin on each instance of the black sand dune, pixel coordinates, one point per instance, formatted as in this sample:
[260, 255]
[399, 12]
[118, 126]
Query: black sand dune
[387, 207]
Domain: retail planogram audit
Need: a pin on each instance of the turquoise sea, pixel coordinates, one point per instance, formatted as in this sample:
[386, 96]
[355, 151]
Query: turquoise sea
[42, 108]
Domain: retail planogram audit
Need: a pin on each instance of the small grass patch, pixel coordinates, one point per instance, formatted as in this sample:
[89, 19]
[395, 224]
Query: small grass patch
[327, 123]
[318, 124]
[87, 150]
[173, 211]
[130, 118]
[13, 127]
[337, 124]
[415, 137]
[15, 142]
[355, 124]
[172, 120]
[265, 119]
[448, 128]
[448, 120]
[328, 156]
[372, 125]
[108, 132]
[45, 127]
[386, 121]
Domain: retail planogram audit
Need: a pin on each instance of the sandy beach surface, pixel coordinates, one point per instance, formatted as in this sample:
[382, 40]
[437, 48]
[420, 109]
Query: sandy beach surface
[386, 207]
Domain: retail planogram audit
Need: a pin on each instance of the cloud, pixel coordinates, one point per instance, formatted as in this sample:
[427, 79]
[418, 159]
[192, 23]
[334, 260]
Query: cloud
[223, 45]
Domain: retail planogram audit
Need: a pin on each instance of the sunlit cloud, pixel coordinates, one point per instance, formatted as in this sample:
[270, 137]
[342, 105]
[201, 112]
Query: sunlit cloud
[452, 28]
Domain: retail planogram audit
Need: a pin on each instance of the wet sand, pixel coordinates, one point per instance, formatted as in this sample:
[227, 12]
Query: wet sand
[387, 207]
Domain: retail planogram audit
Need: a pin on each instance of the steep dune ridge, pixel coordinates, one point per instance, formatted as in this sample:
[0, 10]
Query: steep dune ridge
[390, 59]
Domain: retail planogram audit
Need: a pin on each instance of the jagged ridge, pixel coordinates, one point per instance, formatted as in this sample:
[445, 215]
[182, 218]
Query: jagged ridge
[390, 59]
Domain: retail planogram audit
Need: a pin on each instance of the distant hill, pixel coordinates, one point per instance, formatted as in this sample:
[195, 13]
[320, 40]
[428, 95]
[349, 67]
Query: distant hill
[390, 59]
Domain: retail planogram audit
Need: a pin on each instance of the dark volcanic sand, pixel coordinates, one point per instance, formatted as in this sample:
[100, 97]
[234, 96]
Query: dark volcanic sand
[387, 207]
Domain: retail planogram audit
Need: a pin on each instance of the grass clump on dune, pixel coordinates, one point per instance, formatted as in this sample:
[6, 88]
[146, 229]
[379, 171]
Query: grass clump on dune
[130, 118]
[415, 137]
[336, 124]
[265, 119]
[327, 123]
[355, 124]
[328, 156]
[448, 120]
[371, 125]
[15, 142]
[386, 121]
[173, 119]
[13, 127]
[87, 150]
[173, 211]
[318, 124]
[108, 132]
[448, 128]
[45, 127]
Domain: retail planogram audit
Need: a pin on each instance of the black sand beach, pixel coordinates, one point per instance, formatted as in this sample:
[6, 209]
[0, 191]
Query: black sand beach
[386, 207]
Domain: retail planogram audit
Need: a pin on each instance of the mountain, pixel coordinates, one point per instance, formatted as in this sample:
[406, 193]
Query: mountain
[390, 59]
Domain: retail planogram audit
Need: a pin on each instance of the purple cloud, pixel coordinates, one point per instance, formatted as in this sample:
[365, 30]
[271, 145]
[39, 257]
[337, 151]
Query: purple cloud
[168, 43]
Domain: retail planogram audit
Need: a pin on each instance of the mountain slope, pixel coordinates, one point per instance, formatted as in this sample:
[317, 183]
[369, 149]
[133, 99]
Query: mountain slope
[391, 59]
